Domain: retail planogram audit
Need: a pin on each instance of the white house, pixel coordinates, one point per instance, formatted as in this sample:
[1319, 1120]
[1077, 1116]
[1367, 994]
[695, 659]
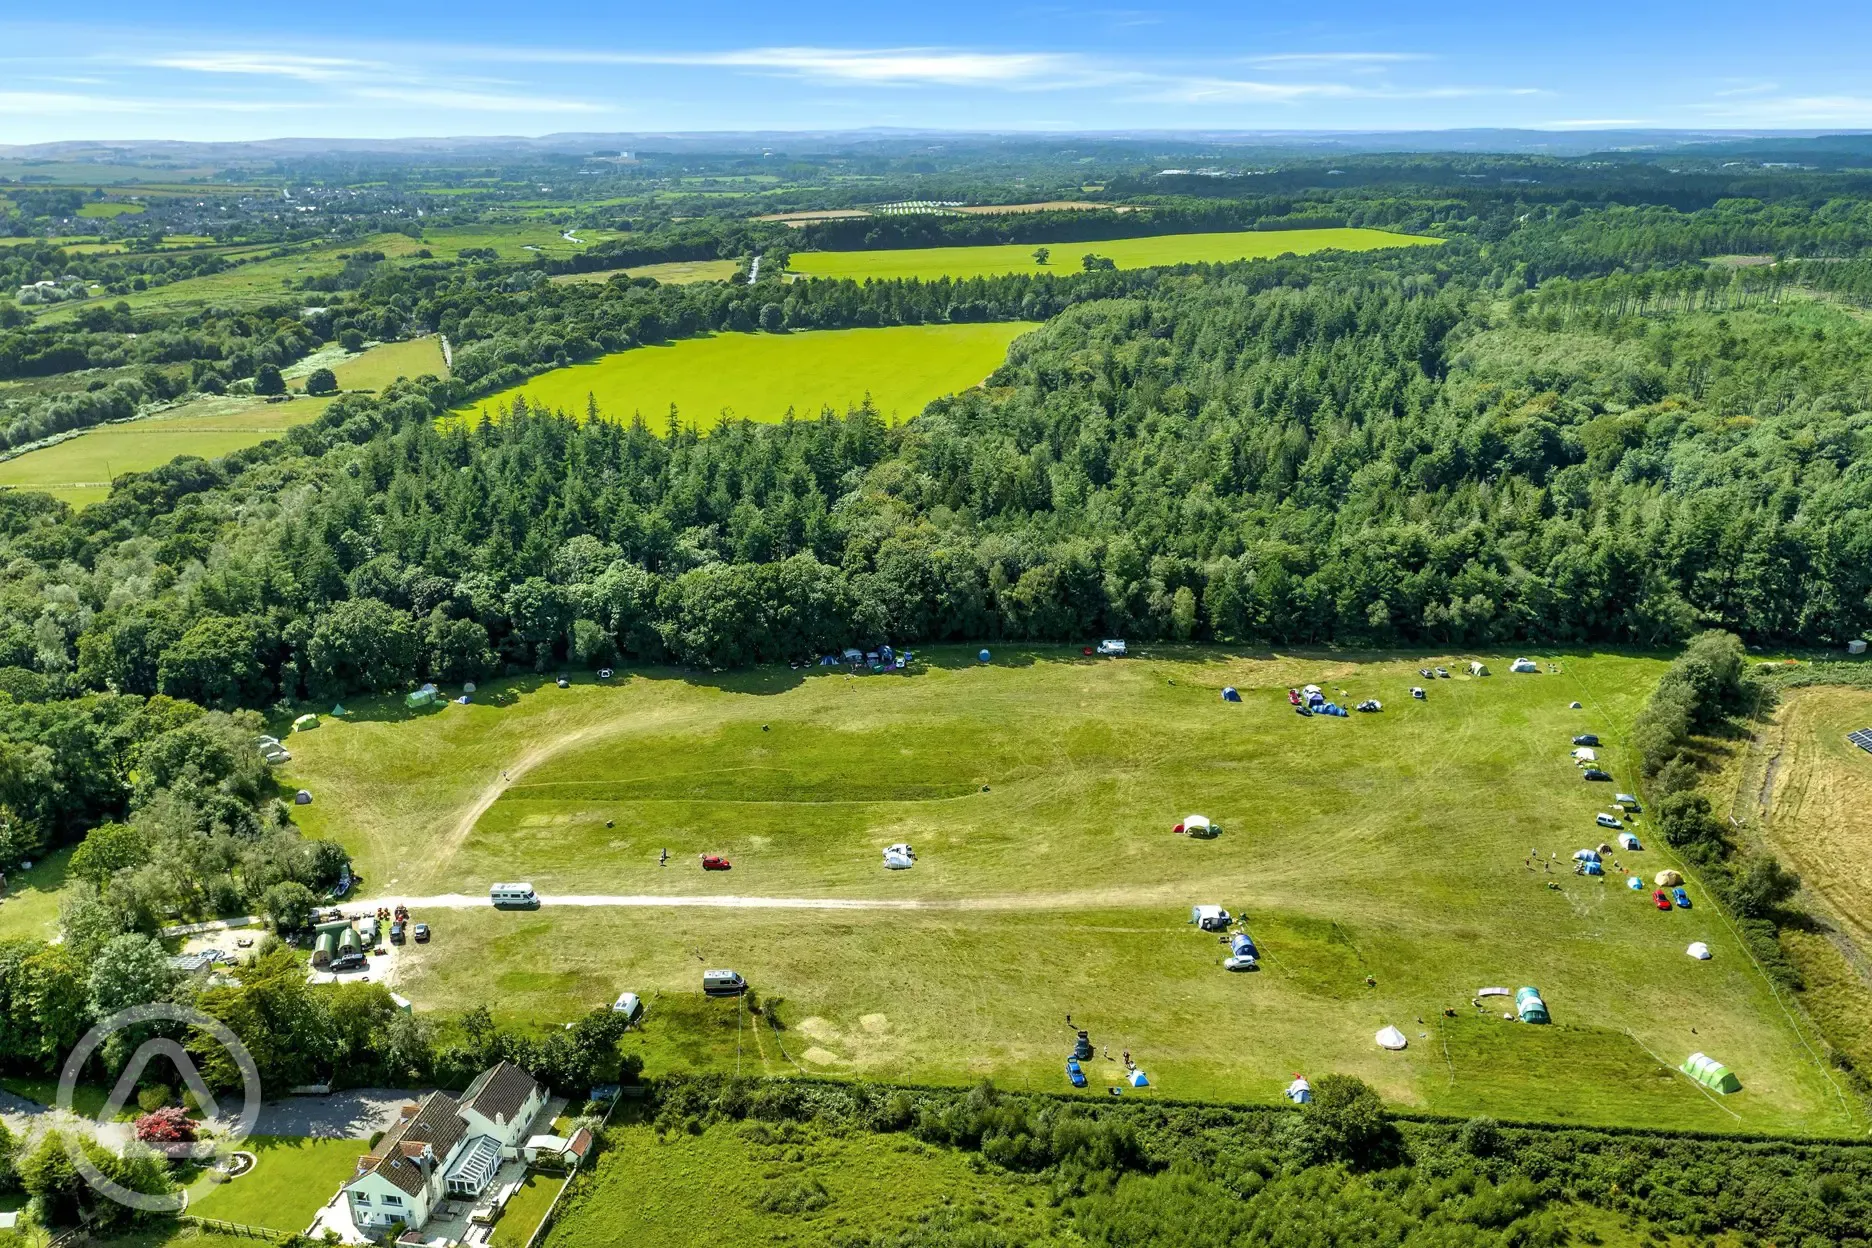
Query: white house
[442, 1148]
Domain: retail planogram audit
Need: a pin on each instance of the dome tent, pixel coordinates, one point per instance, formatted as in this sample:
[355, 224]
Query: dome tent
[1390, 1038]
[1300, 1092]
[1667, 879]
[1229, 694]
[1699, 951]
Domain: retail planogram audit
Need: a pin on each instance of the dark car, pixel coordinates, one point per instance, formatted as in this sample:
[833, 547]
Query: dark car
[1586, 738]
[396, 933]
[1593, 773]
[422, 933]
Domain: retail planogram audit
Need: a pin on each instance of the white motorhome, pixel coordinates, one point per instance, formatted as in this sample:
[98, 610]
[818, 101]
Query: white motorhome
[514, 897]
[1112, 647]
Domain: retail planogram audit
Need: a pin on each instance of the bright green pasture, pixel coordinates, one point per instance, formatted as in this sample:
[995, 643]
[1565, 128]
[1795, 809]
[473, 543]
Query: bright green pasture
[670, 273]
[31, 901]
[929, 263]
[513, 241]
[81, 469]
[1039, 793]
[109, 208]
[375, 367]
[762, 376]
[292, 1178]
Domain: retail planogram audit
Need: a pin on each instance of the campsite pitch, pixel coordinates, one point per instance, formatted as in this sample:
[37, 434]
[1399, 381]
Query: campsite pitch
[763, 376]
[1039, 793]
[930, 263]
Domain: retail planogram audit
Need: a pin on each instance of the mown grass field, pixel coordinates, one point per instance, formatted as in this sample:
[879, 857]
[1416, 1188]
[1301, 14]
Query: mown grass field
[81, 469]
[674, 272]
[292, 1178]
[761, 376]
[375, 367]
[1040, 793]
[30, 907]
[929, 263]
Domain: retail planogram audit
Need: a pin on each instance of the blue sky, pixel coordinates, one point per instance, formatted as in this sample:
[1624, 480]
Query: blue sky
[343, 68]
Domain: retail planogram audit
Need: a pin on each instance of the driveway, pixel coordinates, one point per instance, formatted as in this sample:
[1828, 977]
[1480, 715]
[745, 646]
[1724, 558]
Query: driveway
[353, 1114]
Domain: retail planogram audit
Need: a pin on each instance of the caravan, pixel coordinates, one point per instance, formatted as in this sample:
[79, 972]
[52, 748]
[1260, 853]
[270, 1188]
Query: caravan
[514, 897]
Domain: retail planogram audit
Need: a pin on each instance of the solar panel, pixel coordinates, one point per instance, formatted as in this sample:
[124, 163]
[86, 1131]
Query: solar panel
[1862, 739]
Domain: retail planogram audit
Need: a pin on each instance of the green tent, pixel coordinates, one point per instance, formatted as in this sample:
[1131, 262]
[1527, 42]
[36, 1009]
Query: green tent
[422, 697]
[1529, 1005]
[1711, 1073]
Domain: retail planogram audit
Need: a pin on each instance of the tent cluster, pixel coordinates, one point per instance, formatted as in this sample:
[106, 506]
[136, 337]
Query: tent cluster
[1310, 701]
[899, 857]
[882, 659]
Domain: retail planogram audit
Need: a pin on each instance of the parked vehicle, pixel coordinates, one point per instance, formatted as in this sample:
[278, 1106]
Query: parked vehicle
[628, 1004]
[1245, 962]
[514, 897]
[1607, 821]
[1682, 898]
[726, 983]
[1442, 673]
[1074, 1075]
[422, 933]
[1586, 738]
[1663, 902]
[396, 933]
[1593, 773]
[715, 862]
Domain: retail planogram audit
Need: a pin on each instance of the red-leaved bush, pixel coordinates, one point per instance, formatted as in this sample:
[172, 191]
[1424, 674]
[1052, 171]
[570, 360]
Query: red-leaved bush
[166, 1126]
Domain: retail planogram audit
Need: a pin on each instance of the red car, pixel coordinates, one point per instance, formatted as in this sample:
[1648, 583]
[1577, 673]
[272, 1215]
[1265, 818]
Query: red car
[1663, 902]
[715, 862]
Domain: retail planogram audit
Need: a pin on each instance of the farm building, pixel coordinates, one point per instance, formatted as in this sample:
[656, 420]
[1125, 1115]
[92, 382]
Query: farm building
[1711, 1073]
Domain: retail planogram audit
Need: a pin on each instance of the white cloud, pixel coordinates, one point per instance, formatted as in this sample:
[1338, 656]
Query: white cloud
[875, 66]
[1311, 59]
[269, 65]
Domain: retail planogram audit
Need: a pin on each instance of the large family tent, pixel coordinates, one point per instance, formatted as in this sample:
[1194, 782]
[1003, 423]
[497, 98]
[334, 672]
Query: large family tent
[1592, 868]
[422, 697]
[1529, 1006]
[1300, 1092]
[1209, 918]
[1711, 1073]
[1667, 879]
[1585, 855]
[1627, 841]
[1478, 669]
[1524, 665]
[1229, 694]
[1390, 1038]
[1699, 951]
[1198, 825]
[1586, 754]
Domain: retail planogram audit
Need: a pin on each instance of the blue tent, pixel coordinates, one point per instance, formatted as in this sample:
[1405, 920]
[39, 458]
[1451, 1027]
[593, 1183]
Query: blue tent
[983, 656]
[1585, 855]
[1634, 883]
[1242, 945]
[1138, 1080]
[1592, 868]
[1229, 694]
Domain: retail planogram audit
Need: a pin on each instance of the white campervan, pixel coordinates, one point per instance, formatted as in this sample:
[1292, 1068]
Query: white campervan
[514, 897]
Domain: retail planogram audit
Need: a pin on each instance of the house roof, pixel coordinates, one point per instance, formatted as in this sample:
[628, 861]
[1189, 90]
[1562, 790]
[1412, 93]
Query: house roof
[437, 1123]
[500, 1091]
[581, 1141]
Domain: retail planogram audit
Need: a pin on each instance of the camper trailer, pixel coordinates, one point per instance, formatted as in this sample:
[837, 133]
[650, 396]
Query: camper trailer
[1209, 918]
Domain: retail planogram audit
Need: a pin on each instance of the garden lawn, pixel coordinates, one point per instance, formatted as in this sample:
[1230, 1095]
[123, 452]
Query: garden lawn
[764, 376]
[930, 263]
[292, 1178]
[525, 1209]
[1039, 793]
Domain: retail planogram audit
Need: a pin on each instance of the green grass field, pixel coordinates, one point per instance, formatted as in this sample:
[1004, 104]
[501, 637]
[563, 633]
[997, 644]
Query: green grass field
[673, 273]
[81, 469]
[30, 908]
[525, 1210]
[513, 241]
[109, 208]
[292, 1178]
[929, 263]
[1040, 793]
[374, 367]
[760, 376]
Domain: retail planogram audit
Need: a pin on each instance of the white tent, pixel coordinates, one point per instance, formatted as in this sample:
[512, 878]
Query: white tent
[1586, 754]
[1627, 841]
[1300, 1092]
[1196, 825]
[1209, 918]
[898, 862]
[1524, 665]
[1390, 1038]
[1699, 951]
[1137, 1079]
